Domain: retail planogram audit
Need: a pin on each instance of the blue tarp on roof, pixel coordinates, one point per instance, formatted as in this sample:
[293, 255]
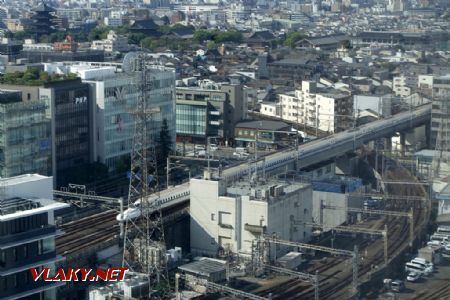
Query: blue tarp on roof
[337, 185]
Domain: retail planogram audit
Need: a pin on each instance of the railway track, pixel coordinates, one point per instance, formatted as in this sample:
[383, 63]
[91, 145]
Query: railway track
[332, 287]
[442, 293]
[90, 231]
[87, 232]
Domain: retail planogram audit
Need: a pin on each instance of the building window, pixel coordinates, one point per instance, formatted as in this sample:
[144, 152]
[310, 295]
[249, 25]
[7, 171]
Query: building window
[25, 251]
[15, 280]
[39, 247]
[2, 258]
[4, 283]
[27, 277]
[16, 258]
[213, 242]
[48, 245]
[213, 216]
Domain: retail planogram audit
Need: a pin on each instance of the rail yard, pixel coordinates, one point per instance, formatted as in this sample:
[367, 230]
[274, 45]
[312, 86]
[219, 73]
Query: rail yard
[336, 272]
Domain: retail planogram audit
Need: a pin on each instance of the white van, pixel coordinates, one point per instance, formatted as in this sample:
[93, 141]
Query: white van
[199, 147]
[443, 239]
[423, 263]
[240, 150]
[412, 267]
[443, 230]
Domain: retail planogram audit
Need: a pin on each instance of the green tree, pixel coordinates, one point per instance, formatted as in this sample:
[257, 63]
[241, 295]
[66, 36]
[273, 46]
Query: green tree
[228, 36]
[57, 36]
[211, 45]
[99, 33]
[148, 43]
[44, 76]
[136, 38]
[203, 35]
[44, 39]
[166, 20]
[164, 144]
[31, 74]
[165, 29]
[292, 38]
[21, 35]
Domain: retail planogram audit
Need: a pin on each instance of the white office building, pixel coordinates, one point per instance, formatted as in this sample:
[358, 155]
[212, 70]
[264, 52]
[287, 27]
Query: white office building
[230, 218]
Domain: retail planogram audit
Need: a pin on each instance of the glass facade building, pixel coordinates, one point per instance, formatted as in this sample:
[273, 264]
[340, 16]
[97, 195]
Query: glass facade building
[69, 103]
[25, 140]
[191, 120]
[205, 112]
[116, 99]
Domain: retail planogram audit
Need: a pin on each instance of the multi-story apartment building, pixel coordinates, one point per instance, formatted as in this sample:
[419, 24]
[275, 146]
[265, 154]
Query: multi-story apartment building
[27, 237]
[403, 86]
[209, 111]
[25, 139]
[325, 108]
[115, 95]
[112, 43]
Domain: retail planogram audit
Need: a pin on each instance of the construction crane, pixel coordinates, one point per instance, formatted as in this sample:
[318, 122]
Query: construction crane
[144, 243]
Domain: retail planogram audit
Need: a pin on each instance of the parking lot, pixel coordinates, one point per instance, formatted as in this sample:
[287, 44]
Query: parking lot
[227, 153]
[435, 281]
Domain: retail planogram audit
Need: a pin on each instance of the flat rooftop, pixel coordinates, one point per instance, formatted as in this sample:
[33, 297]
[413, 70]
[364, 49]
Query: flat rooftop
[204, 267]
[16, 207]
[257, 189]
[15, 203]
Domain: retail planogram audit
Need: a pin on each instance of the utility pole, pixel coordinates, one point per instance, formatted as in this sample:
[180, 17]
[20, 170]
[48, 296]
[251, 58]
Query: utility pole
[355, 273]
[167, 170]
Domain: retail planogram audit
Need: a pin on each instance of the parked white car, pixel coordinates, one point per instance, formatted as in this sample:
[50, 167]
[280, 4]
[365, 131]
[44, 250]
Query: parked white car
[413, 276]
[424, 262]
[436, 243]
[417, 268]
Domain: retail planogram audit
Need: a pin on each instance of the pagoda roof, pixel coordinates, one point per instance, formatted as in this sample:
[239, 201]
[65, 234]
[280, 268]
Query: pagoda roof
[42, 7]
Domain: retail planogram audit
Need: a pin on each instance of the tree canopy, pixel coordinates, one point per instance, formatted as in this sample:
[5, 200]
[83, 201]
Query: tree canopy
[292, 38]
[202, 35]
[33, 77]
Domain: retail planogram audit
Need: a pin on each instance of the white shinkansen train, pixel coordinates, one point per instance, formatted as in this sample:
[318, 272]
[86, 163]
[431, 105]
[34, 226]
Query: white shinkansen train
[169, 197]
[330, 146]
[307, 154]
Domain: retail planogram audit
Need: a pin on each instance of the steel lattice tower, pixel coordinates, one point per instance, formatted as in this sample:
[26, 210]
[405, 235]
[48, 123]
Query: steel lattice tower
[144, 244]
